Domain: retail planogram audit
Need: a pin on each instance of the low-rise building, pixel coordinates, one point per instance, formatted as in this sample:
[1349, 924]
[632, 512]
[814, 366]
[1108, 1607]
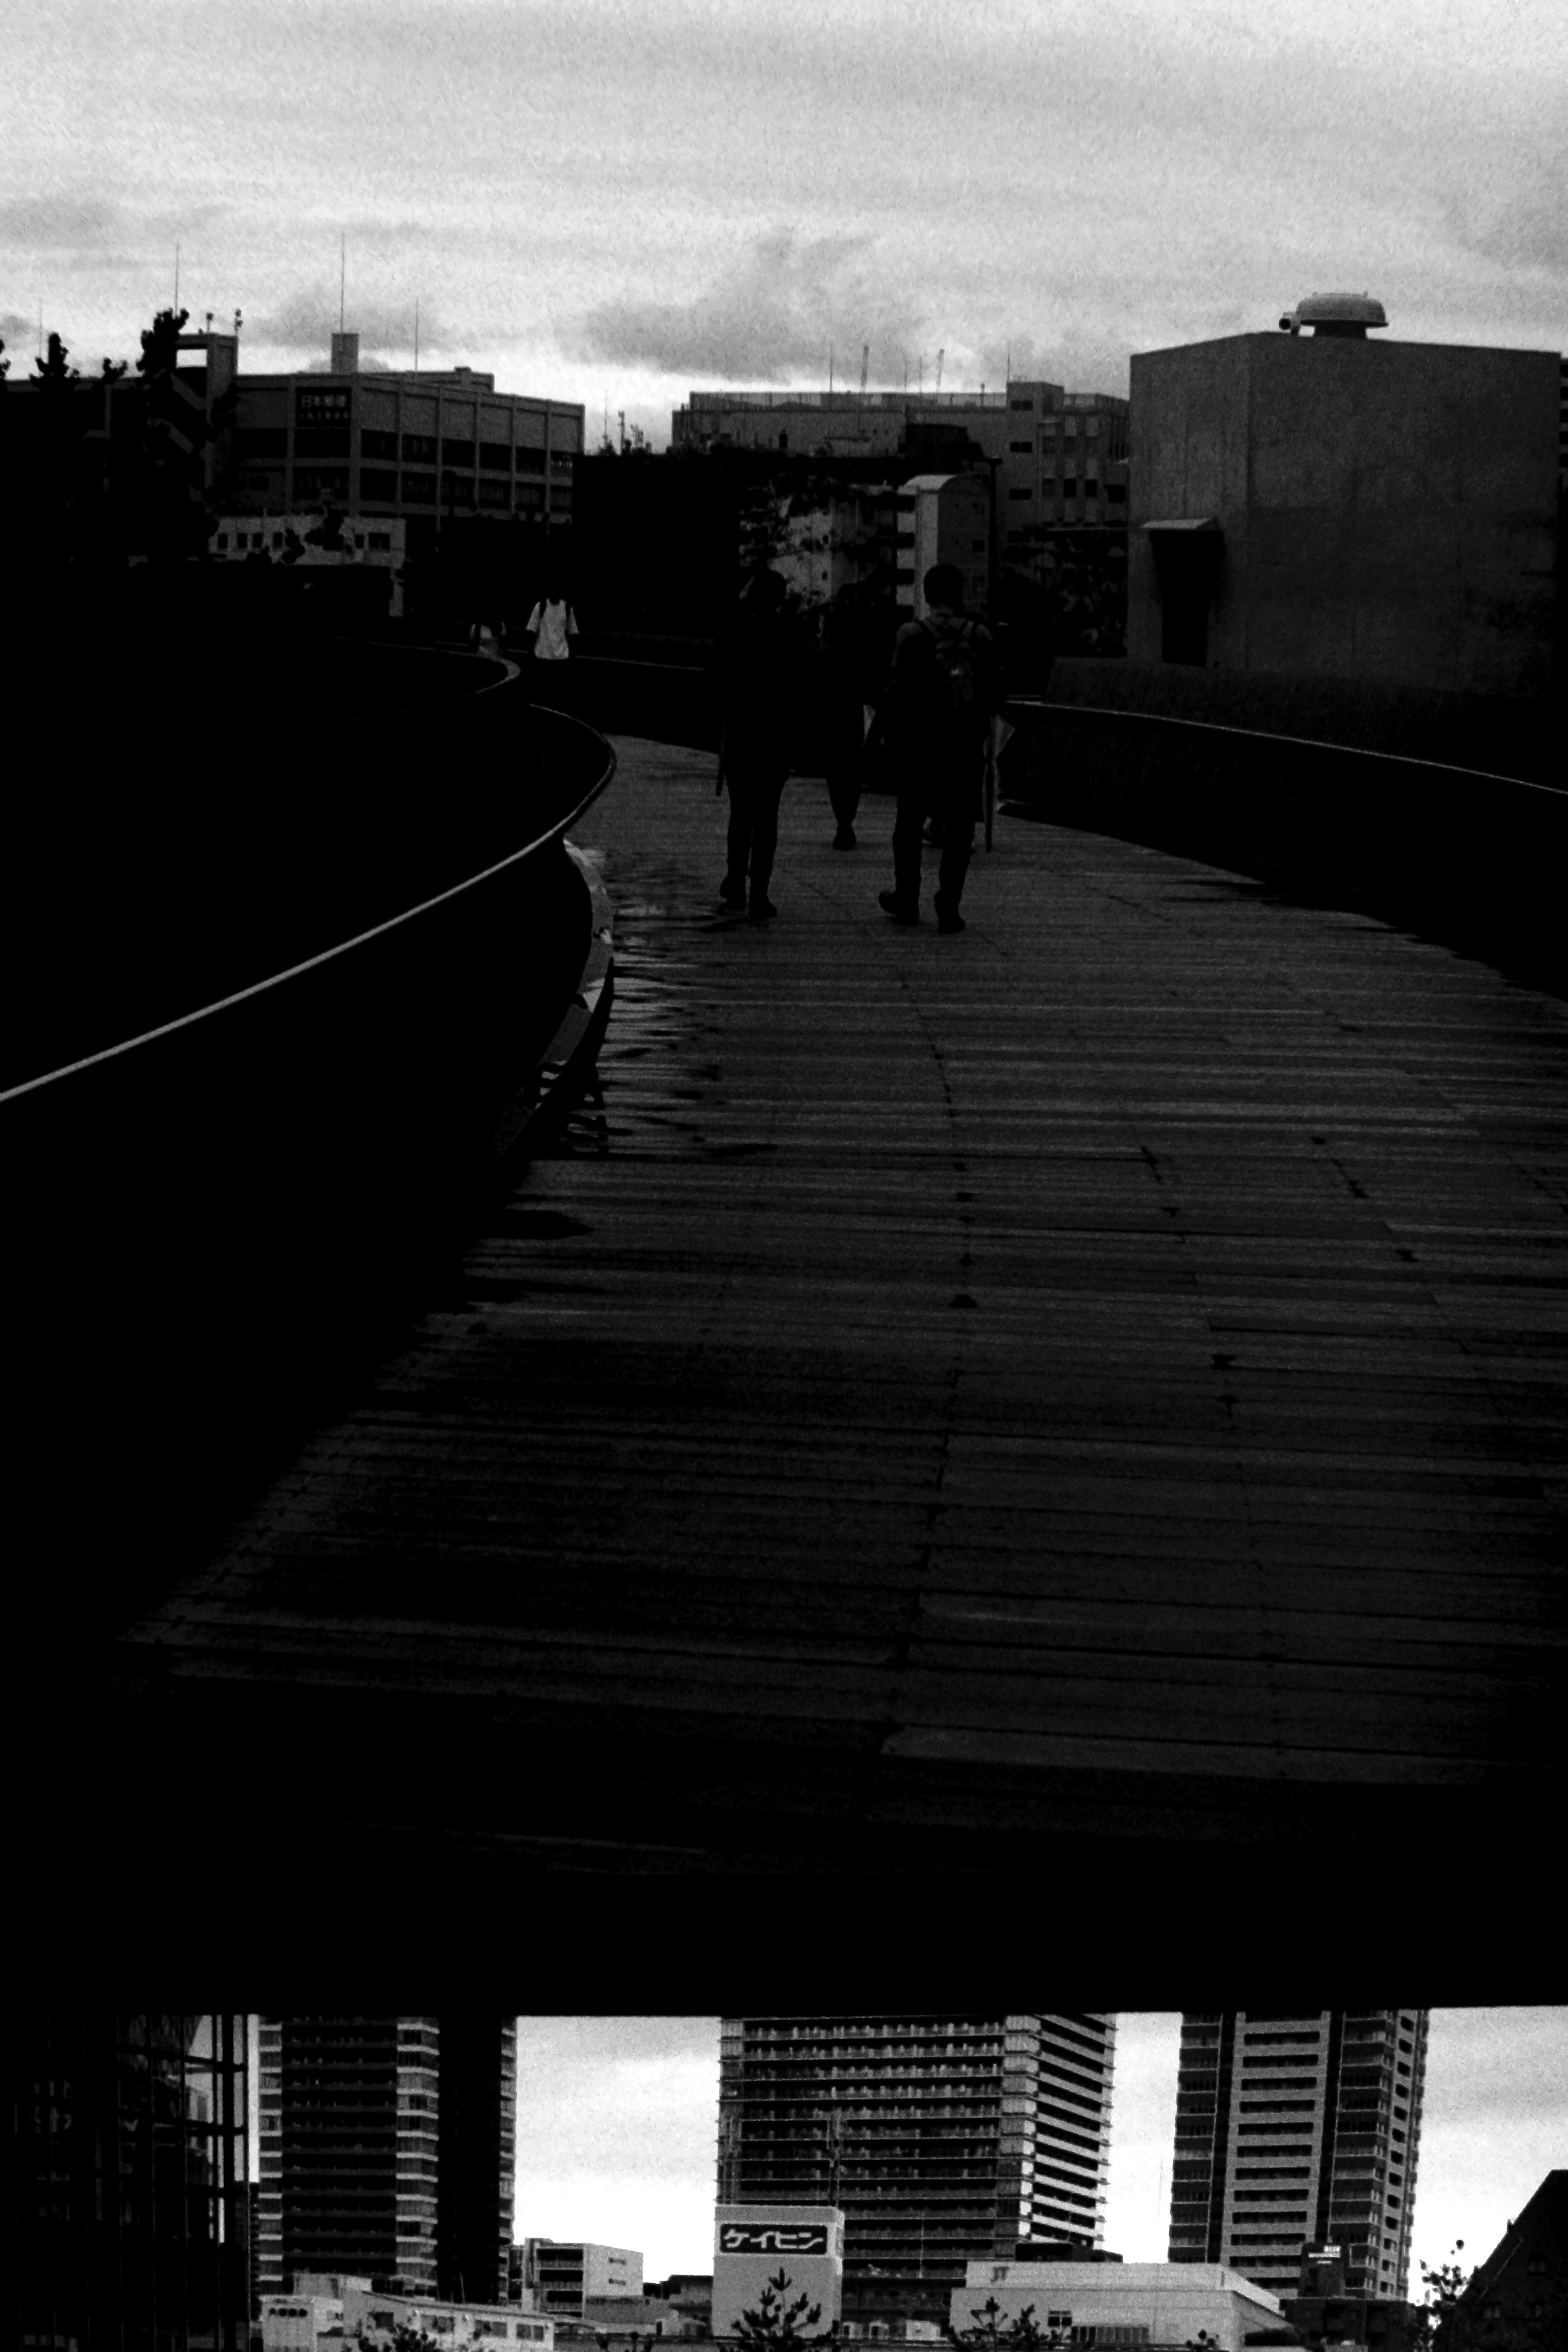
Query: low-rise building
[1325, 505]
[1151, 2303]
[378, 545]
[1519, 2295]
[564, 2274]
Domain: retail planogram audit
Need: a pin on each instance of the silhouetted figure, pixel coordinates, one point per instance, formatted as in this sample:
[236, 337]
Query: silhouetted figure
[845, 691]
[944, 690]
[759, 680]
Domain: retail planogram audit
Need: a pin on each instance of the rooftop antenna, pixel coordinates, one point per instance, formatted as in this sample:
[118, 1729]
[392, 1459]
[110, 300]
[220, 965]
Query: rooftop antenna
[343, 278]
[416, 334]
[830, 370]
[940, 357]
[865, 366]
[176, 277]
[1009, 363]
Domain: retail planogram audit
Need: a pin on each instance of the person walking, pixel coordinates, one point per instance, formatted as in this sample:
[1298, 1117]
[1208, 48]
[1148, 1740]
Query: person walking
[758, 687]
[842, 702]
[551, 625]
[944, 690]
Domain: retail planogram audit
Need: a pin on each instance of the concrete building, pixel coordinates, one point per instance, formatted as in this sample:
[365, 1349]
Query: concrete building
[564, 2275]
[387, 2152]
[427, 445]
[1324, 2314]
[941, 2139]
[334, 2310]
[1519, 2295]
[1298, 2130]
[755, 2245]
[1327, 506]
[948, 521]
[1151, 2303]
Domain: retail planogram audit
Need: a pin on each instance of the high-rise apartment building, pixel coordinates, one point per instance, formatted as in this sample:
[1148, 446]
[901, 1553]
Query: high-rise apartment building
[942, 2140]
[1297, 2131]
[387, 2151]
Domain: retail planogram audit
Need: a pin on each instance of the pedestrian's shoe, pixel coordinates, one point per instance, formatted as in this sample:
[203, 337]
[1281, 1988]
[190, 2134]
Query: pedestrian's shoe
[760, 911]
[845, 837]
[902, 910]
[733, 892]
[950, 922]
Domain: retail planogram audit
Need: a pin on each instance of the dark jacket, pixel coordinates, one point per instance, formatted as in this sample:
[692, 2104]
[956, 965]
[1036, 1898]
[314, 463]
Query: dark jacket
[916, 711]
[759, 672]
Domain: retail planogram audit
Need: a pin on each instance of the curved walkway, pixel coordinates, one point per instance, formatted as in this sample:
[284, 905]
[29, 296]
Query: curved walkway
[1091, 1385]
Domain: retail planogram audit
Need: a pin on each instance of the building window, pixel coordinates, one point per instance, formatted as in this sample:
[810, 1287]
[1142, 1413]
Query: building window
[460, 454]
[263, 441]
[419, 449]
[495, 456]
[530, 461]
[321, 482]
[379, 445]
[418, 489]
[1026, 493]
[1022, 448]
[1022, 408]
[495, 494]
[380, 543]
[380, 487]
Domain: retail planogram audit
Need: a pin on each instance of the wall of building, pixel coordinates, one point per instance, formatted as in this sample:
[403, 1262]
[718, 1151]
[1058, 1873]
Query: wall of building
[1388, 510]
[1173, 2302]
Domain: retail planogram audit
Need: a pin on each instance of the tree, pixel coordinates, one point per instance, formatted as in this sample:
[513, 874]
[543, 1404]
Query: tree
[161, 343]
[52, 368]
[991, 2332]
[771, 2322]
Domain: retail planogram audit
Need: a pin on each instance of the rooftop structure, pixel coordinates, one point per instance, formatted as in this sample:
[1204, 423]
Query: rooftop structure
[1145, 2304]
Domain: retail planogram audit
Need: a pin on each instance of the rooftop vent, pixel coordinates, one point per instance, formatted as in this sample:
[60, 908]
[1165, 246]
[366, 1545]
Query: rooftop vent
[1335, 314]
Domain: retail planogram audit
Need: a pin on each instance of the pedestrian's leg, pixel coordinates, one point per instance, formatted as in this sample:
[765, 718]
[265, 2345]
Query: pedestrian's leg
[764, 842]
[958, 812]
[732, 890]
[905, 893]
[844, 793]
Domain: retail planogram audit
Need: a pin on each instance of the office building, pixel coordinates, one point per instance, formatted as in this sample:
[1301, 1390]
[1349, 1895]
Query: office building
[942, 2140]
[433, 446]
[1323, 505]
[1519, 2294]
[563, 2275]
[1148, 2303]
[128, 2181]
[1298, 2131]
[387, 2151]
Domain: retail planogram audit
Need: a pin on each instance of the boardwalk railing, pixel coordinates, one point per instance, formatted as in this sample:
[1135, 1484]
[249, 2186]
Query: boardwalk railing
[1474, 859]
[202, 1211]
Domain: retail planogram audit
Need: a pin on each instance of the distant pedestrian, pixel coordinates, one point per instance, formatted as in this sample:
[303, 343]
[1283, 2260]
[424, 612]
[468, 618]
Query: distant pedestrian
[759, 683]
[551, 625]
[944, 690]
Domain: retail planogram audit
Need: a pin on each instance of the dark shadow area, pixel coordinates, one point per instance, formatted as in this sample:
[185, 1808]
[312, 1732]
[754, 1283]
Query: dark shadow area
[211, 1237]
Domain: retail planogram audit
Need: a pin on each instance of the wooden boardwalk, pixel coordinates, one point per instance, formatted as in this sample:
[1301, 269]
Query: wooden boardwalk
[1092, 1384]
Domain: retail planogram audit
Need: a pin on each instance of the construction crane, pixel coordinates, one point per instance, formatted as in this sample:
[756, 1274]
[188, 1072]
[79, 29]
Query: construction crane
[865, 366]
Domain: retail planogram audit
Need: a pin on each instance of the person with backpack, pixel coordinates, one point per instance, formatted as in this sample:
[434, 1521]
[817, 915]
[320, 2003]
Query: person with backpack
[944, 690]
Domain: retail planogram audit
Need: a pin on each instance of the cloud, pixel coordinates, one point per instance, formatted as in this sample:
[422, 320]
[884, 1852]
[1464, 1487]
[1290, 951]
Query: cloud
[59, 224]
[15, 330]
[306, 321]
[772, 315]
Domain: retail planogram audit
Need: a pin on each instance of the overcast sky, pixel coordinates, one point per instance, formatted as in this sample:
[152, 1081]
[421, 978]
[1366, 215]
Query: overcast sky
[618, 200]
[616, 2131]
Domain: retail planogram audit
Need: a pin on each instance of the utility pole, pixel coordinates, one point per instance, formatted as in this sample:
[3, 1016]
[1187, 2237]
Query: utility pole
[940, 357]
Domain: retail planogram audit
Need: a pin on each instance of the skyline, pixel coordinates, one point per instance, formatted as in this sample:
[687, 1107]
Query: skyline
[616, 2131]
[607, 203]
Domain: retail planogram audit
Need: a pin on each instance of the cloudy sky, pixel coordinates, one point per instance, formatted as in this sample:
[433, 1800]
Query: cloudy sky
[616, 2130]
[613, 201]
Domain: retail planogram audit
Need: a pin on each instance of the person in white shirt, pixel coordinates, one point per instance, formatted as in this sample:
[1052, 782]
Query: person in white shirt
[551, 624]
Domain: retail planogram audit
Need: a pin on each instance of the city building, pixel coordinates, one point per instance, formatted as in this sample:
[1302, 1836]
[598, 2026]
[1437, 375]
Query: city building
[1518, 2296]
[562, 2277]
[127, 2183]
[795, 2252]
[430, 445]
[942, 2140]
[1323, 2314]
[1293, 2131]
[387, 2152]
[381, 548]
[337, 2309]
[1325, 505]
[1146, 2304]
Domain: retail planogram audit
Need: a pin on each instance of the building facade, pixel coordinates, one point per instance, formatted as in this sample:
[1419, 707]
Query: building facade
[1293, 2131]
[387, 2150]
[330, 2310]
[942, 2140]
[129, 2180]
[1323, 505]
[1519, 2295]
[1145, 2304]
[431, 445]
[563, 2275]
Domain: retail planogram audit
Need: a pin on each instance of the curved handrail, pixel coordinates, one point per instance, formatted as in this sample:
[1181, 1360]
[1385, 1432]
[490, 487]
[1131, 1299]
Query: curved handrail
[343, 947]
[1265, 735]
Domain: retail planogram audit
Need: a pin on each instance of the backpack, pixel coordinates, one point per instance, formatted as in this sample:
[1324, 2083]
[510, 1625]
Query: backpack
[956, 677]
